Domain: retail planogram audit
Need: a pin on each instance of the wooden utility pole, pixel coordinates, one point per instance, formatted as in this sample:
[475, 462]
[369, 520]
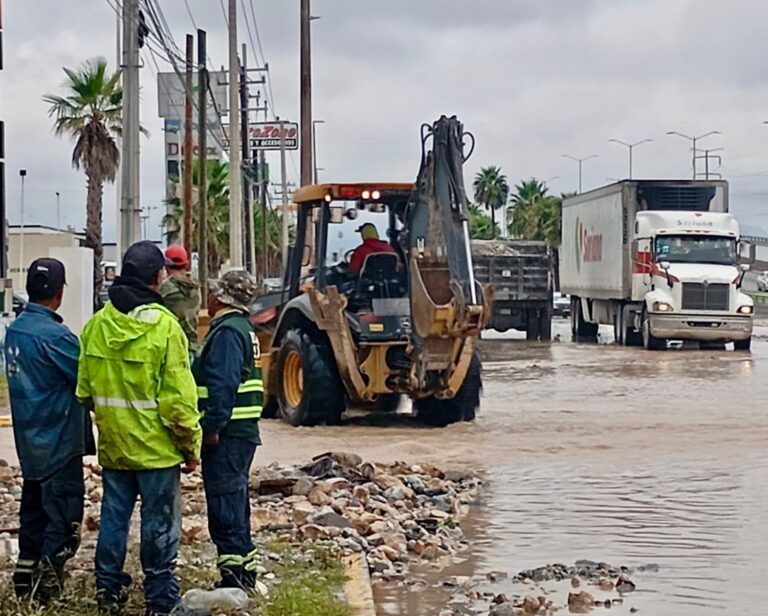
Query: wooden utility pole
[235, 170]
[202, 139]
[306, 95]
[250, 248]
[264, 184]
[187, 145]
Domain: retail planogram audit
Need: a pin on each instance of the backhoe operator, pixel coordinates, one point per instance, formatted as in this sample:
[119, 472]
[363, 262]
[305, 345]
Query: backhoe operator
[371, 245]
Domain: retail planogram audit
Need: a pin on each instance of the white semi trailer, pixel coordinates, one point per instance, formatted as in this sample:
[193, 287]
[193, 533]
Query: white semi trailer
[658, 260]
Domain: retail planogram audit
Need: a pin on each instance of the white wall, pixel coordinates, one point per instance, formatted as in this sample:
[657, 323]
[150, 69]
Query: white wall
[77, 306]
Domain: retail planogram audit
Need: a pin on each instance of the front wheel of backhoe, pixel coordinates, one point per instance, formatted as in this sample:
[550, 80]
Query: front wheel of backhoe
[462, 407]
[309, 390]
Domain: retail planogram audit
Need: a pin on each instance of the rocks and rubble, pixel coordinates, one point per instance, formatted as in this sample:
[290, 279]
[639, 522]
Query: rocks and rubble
[395, 514]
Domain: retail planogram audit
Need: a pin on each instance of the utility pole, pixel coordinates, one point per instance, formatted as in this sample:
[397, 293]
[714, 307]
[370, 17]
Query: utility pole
[202, 141]
[306, 95]
[284, 187]
[130, 202]
[314, 148]
[58, 211]
[187, 144]
[707, 156]
[235, 171]
[263, 185]
[693, 141]
[250, 244]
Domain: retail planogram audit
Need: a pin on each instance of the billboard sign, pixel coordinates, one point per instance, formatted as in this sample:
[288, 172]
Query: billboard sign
[171, 95]
[266, 135]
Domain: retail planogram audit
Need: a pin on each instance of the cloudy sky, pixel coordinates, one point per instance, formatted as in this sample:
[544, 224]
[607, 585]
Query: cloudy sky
[532, 79]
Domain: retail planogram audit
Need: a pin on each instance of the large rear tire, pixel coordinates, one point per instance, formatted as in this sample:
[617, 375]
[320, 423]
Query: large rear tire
[532, 331]
[309, 390]
[462, 407]
[545, 324]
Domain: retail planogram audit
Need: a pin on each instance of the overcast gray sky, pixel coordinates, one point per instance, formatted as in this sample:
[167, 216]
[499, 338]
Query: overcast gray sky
[532, 79]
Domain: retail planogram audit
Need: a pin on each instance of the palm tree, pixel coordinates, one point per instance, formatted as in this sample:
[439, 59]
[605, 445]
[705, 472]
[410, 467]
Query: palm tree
[491, 190]
[480, 226]
[217, 189]
[90, 112]
[524, 211]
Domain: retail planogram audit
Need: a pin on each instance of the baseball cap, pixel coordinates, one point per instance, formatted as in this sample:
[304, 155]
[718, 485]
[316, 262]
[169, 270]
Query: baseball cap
[45, 277]
[177, 256]
[143, 260]
[368, 230]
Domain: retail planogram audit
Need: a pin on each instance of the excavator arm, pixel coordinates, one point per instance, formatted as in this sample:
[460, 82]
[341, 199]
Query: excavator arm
[448, 307]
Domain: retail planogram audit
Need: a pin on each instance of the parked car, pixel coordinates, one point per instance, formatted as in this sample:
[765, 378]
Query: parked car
[561, 304]
[762, 282]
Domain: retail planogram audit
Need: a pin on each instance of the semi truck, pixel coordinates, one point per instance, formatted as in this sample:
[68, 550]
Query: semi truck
[658, 260]
[519, 272]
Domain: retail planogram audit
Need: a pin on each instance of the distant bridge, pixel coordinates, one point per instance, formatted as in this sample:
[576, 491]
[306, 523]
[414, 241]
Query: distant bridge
[754, 239]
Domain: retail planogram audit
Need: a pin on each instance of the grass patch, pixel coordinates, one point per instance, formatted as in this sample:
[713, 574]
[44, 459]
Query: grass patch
[309, 581]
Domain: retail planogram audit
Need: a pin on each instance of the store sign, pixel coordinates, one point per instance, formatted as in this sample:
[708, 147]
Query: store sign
[267, 135]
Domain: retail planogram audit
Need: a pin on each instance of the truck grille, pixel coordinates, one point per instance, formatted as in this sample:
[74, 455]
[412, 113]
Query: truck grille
[698, 296]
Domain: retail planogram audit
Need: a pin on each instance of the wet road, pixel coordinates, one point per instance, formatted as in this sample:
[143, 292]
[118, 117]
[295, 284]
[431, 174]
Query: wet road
[599, 452]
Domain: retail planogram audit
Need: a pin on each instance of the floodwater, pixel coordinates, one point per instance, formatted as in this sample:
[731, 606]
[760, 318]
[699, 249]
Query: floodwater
[598, 452]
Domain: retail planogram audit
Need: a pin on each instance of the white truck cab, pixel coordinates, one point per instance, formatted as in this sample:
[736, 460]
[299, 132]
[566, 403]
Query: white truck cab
[686, 274]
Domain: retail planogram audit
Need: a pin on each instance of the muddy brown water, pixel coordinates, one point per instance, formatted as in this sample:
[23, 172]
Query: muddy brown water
[598, 452]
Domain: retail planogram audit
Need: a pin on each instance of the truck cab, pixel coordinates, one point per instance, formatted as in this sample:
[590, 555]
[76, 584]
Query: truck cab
[687, 278]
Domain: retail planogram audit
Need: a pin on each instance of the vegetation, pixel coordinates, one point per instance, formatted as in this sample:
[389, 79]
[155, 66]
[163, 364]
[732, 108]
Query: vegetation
[309, 582]
[217, 175]
[491, 191]
[90, 113]
[480, 225]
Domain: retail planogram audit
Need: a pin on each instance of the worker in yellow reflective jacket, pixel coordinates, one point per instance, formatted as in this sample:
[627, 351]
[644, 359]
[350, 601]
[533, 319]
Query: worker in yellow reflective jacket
[230, 393]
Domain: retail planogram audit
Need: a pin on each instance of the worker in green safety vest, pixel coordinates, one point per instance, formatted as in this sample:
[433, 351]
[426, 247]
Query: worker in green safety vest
[230, 392]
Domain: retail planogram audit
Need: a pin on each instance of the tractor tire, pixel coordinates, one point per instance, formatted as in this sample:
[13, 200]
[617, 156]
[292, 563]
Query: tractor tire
[545, 325]
[309, 390]
[462, 407]
[532, 331]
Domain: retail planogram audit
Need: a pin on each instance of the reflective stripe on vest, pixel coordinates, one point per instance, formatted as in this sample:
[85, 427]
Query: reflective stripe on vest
[240, 411]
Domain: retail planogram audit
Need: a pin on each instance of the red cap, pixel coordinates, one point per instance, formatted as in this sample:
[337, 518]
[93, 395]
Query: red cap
[177, 255]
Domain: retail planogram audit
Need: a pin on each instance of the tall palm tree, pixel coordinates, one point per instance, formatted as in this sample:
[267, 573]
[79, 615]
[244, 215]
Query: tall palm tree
[479, 224]
[491, 191]
[90, 113]
[524, 212]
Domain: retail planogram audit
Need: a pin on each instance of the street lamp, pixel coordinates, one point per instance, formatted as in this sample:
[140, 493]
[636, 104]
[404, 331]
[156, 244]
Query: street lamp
[630, 147]
[314, 147]
[23, 175]
[693, 140]
[58, 211]
[580, 161]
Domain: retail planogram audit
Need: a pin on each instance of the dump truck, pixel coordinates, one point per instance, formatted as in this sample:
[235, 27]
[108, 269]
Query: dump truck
[406, 324]
[520, 273]
[659, 261]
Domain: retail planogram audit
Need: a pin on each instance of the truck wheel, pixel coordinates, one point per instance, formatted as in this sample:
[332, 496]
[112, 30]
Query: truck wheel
[651, 342]
[581, 330]
[742, 345]
[545, 325]
[462, 407]
[532, 331]
[309, 389]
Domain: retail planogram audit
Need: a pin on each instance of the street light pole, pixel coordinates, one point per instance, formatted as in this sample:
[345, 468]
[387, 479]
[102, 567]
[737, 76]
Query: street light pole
[314, 148]
[693, 141]
[580, 161]
[58, 211]
[630, 147]
[23, 175]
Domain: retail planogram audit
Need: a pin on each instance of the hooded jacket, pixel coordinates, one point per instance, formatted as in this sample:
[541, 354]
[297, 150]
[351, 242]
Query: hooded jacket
[49, 424]
[182, 297]
[134, 371]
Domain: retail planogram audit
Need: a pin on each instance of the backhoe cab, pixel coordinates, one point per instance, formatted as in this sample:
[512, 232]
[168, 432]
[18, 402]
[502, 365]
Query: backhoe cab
[406, 324]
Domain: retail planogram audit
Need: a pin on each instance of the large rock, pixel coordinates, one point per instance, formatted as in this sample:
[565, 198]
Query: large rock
[580, 602]
[301, 512]
[325, 516]
[303, 486]
[319, 497]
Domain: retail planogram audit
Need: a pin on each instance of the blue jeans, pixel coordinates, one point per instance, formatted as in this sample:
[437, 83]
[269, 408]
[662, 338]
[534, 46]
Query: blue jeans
[160, 533]
[225, 475]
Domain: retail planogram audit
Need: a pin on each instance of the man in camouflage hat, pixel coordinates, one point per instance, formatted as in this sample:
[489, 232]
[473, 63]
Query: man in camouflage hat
[230, 391]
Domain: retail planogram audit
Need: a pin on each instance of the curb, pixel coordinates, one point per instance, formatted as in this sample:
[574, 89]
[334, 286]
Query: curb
[358, 586]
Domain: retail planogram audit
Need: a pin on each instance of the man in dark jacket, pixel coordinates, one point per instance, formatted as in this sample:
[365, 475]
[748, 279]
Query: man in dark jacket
[52, 432]
[230, 392]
